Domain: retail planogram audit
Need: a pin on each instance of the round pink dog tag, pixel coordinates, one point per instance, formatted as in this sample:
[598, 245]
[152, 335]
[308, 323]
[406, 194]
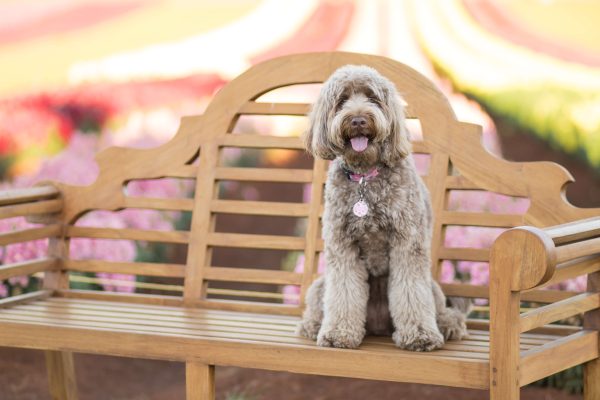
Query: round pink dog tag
[360, 208]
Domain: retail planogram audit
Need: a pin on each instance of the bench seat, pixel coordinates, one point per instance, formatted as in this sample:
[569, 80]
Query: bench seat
[176, 333]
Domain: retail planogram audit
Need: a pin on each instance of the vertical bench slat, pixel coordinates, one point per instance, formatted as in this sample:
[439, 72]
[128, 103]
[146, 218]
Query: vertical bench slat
[313, 231]
[201, 222]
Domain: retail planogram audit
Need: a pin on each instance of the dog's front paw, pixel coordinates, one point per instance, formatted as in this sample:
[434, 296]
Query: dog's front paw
[418, 338]
[452, 324]
[308, 329]
[340, 337]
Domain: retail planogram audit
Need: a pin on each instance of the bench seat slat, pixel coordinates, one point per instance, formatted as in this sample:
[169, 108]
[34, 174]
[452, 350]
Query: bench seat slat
[127, 302]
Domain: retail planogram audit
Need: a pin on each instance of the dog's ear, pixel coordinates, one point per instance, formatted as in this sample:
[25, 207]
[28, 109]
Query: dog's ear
[315, 138]
[397, 145]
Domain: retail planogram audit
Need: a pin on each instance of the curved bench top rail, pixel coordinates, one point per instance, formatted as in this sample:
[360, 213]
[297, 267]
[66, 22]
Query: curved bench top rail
[453, 145]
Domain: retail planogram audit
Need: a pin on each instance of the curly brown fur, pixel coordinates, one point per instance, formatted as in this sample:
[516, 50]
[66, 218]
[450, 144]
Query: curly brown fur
[378, 277]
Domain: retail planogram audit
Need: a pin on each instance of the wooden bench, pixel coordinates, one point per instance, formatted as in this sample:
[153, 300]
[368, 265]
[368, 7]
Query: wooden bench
[204, 327]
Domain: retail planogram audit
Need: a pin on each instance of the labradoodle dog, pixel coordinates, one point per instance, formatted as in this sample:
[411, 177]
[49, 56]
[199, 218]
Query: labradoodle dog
[376, 224]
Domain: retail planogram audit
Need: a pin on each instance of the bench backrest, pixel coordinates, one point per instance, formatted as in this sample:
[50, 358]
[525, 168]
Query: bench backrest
[457, 163]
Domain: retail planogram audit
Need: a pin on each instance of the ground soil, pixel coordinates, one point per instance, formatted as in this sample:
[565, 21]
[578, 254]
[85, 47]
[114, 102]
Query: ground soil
[23, 377]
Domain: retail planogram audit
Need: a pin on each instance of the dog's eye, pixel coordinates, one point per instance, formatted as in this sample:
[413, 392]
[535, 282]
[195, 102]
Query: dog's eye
[341, 102]
[374, 99]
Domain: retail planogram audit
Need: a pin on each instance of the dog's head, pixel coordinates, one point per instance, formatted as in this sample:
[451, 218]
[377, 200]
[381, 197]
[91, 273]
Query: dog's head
[358, 116]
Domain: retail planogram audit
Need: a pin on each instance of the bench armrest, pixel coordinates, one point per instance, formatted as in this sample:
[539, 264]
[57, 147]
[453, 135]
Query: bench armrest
[531, 257]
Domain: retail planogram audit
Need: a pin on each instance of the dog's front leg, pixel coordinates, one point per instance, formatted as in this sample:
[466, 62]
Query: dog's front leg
[412, 306]
[345, 302]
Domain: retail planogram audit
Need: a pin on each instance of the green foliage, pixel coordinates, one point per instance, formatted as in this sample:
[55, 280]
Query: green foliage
[569, 380]
[235, 395]
[568, 119]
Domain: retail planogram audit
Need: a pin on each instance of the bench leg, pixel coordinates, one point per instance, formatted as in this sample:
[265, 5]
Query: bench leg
[61, 375]
[199, 381]
[591, 380]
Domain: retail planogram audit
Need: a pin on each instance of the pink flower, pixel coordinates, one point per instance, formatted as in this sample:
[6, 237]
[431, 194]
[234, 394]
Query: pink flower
[480, 273]
[125, 287]
[291, 292]
[448, 273]
[3, 290]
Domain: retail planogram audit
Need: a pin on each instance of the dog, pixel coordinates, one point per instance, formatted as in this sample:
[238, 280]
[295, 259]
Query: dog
[377, 224]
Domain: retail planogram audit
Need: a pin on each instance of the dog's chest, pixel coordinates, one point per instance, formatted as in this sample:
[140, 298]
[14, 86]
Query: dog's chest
[374, 232]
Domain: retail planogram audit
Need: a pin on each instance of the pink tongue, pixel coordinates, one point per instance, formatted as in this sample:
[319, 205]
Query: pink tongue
[359, 143]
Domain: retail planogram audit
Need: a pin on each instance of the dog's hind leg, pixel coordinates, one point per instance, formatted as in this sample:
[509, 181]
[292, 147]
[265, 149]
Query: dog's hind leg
[313, 313]
[451, 318]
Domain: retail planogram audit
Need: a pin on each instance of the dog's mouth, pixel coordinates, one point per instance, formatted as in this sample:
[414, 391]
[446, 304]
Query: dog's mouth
[359, 143]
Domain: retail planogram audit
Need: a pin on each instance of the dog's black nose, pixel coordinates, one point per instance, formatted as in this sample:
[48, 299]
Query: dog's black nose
[356, 122]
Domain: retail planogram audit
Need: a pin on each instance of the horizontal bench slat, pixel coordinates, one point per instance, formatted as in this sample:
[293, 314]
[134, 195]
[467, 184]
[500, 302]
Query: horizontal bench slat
[478, 291]
[577, 249]
[128, 234]
[263, 108]
[24, 195]
[249, 275]
[249, 293]
[559, 310]
[245, 241]
[264, 174]
[260, 141]
[464, 254]
[573, 231]
[574, 268]
[558, 355]
[481, 219]
[133, 268]
[38, 207]
[260, 208]
[26, 235]
[159, 204]
[28, 267]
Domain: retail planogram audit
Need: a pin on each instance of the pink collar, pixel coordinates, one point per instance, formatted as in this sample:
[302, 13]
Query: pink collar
[357, 177]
